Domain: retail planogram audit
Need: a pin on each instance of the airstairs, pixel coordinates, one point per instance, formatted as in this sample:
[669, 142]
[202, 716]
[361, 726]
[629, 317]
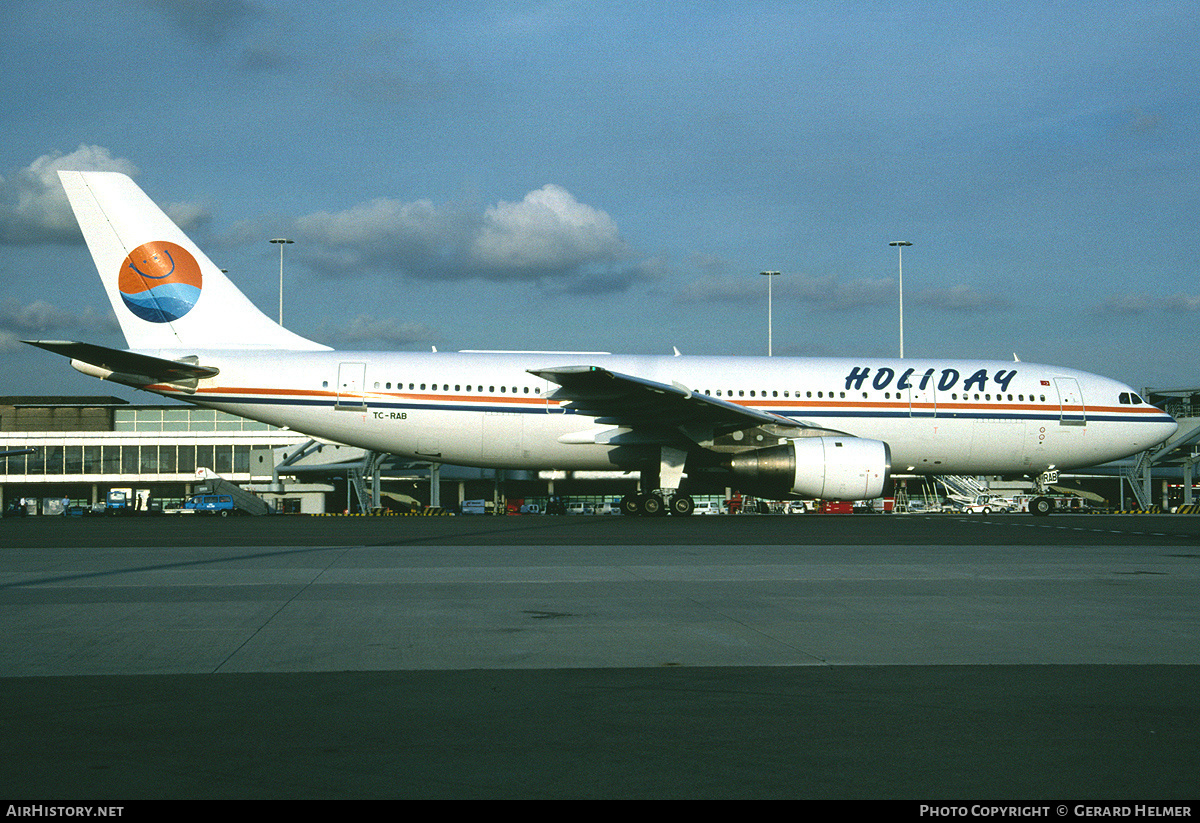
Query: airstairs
[1138, 475]
[247, 502]
[960, 485]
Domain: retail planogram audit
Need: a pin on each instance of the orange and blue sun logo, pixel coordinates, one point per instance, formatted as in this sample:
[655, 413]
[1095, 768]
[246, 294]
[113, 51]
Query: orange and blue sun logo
[160, 281]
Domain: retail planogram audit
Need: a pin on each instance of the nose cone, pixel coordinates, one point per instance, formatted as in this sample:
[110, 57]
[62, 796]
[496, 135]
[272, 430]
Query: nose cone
[1151, 425]
[1164, 429]
[1158, 427]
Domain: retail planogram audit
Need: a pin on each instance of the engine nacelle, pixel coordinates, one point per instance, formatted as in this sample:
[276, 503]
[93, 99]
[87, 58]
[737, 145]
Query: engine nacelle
[828, 468]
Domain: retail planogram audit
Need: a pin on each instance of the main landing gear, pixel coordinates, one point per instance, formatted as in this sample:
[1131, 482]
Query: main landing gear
[656, 505]
[667, 498]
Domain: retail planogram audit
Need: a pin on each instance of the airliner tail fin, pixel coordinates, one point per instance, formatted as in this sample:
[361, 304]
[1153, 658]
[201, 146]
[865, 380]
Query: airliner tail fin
[166, 293]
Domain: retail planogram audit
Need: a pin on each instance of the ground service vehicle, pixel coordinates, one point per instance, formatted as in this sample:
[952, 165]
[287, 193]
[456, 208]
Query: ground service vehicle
[217, 504]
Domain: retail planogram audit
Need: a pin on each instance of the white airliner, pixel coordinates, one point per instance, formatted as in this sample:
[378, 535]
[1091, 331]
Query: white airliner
[813, 428]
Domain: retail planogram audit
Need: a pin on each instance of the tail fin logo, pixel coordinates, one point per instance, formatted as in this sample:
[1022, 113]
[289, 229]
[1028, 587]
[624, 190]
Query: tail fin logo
[160, 281]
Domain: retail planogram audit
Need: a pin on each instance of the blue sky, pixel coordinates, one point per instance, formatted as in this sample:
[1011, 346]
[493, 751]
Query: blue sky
[613, 176]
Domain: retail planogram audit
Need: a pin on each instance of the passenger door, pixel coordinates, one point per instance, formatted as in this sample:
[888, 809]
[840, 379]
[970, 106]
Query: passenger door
[1070, 400]
[352, 378]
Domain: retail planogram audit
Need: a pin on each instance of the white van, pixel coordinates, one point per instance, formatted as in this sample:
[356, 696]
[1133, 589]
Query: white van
[580, 508]
[707, 507]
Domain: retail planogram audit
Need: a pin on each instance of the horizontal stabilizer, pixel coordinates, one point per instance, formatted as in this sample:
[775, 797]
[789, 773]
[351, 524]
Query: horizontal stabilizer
[127, 362]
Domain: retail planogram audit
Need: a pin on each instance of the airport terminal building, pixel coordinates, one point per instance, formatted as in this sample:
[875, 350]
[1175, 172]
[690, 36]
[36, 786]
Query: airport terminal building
[81, 447]
[74, 450]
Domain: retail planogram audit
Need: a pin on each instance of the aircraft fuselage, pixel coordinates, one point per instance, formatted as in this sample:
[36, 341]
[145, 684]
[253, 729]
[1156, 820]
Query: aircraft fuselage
[486, 409]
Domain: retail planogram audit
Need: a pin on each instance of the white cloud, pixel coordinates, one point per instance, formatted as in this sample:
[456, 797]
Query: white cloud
[380, 227]
[1138, 304]
[33, 205]
[39, 318]
[962, 298]
[367, 329]
[548, 237]
[10, 342]
[548, 231]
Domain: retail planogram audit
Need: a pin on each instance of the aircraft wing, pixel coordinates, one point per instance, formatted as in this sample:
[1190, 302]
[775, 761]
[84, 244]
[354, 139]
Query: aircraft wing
[635, 402]
[126, 362]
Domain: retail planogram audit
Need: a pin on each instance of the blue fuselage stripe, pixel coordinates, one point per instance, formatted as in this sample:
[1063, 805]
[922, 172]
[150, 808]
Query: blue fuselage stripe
[798, 414]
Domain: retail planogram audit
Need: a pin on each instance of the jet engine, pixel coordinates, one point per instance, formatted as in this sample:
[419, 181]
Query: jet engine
[829, 468]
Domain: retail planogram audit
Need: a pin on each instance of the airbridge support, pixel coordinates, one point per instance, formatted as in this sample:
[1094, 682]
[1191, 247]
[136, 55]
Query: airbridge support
[374, 480]
[1178, 454]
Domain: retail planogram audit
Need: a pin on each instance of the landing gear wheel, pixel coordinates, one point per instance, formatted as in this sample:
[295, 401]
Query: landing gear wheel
[631, 505]
[682, 505]
[1040, 507]
[653, 506]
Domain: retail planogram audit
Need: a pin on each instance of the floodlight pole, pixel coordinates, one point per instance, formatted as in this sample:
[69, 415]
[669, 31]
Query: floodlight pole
[282, 241]
[900, 244]
[770, 275]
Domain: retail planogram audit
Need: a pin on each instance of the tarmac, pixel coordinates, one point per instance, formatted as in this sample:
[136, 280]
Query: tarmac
[884, 657]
